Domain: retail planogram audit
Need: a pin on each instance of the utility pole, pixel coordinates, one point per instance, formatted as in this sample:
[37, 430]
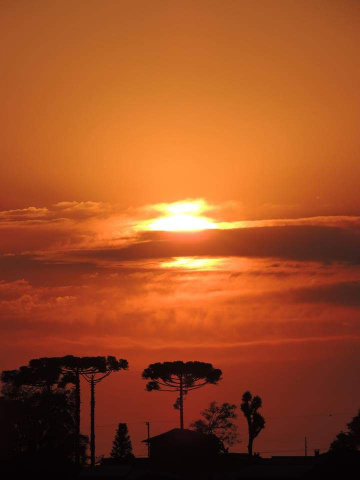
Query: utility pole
[181, 404]
[148, 436]
[92, 420]
[93, 380]
[77, 416]
[306, 447]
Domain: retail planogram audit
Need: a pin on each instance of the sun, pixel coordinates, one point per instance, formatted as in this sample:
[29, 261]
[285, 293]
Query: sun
[181, 222]
[181, 217]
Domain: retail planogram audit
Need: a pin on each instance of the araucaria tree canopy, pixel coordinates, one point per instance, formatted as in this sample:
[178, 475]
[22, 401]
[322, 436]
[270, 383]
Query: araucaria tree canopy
[65, 370]
[180, 377]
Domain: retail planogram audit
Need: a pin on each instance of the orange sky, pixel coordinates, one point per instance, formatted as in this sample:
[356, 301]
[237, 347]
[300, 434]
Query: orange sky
[113, 110]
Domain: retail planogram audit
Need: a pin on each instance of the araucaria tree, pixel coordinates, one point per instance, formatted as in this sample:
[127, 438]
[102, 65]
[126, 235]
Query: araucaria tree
[71, 367]
[103, 367]
[122, 446]
[93, 369]
[39, 416]
[218, 420]
[180, 377]
[256, 422]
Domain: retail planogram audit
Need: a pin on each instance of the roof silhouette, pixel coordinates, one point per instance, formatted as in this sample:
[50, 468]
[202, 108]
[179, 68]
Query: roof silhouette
[182, 435]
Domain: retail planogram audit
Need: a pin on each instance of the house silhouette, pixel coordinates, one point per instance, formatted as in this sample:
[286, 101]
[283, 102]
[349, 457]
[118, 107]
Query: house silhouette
[182, 444]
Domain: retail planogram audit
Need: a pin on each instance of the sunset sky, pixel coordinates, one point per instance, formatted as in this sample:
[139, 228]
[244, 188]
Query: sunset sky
[179, 180]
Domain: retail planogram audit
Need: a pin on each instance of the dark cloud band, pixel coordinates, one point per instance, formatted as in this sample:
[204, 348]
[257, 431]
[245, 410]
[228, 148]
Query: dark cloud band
[299, 242]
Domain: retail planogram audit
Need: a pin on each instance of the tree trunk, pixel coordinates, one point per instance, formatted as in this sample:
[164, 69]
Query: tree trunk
[251, 439]
[77, 417]
[181, 405]
[250, 445]
[92, 421]
[148, 437]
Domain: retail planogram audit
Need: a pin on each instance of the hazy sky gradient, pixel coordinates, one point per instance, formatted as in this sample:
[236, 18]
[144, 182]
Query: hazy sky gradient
[146, 101]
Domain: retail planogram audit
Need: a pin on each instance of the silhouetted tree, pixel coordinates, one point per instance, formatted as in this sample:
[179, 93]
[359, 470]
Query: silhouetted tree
[101, 369]
[38, 416]
[72, 368]
[122, 446]
[348, 441]
[180, 377]
[218, 420]
[256, 422]
[10, 418]
[56, 372]
[77, 366]
[46, 377]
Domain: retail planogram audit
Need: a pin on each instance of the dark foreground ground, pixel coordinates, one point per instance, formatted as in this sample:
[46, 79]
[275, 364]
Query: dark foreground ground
[227, 467]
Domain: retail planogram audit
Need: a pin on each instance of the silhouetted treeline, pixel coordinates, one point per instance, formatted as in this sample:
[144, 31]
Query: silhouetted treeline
[40, 415]
[218, 420]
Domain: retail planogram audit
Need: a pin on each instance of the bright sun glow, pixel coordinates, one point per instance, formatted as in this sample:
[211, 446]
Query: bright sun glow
[181, 222]
[181, 216]
[192, 263]
[195, 206]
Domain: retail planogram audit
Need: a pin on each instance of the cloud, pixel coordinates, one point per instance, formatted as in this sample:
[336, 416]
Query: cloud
[57, 212]
[293, 242]
[62, 226]
[73, 231]
[339, 294]
[77, 272]
[345, 294]
[137, 307]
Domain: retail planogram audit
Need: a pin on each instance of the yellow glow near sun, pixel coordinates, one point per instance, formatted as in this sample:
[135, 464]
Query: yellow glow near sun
[181, 217]
[181, 222]
[185, 216]
[195, 206]
[192, 263]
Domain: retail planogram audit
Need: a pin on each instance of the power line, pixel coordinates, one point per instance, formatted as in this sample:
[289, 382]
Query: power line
[268, 418]
[131, 423]
[297, 437]
[289, 451]
[312, 415]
